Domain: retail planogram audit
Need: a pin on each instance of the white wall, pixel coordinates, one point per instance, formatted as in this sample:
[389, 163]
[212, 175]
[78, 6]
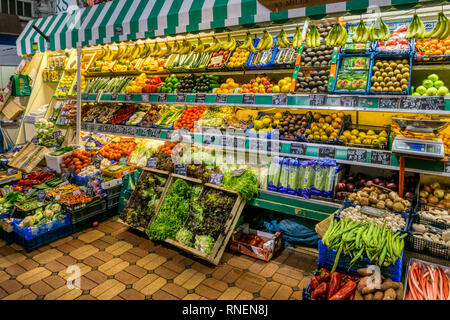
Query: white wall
[5, 73]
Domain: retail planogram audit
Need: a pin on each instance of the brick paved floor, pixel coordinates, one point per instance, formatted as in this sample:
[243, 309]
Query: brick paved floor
[118, 264]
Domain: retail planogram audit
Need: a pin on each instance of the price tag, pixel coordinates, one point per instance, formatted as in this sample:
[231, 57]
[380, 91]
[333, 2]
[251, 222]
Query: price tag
[349, 101]
[129, 97]
[238, 172]
[410, 103]
[113, 96]
[356, 155]
[379, 157]
[131, 130]
[51, 170]
[29, 192]
[298, 149]
[169, 134]
[200, 98]
[123, 161]
[146, 132]
[56, 134]
[152, 162]
[85, 96]
[96, 160]
[239, 142]
[221, 98]
[317, 99]
[34, 140]
[226, 141]
[447, 167]
[279, 99]
[327, 152]
[11, 171]
[65, 176]
[208, 140]
[90, 187]
[119, 129]
[248, 99]
[162, 97]
[181, 97]
[145, 97]
[388, 103]
[216, 178]
[109, 128]
[254, 144]
[274, 146]
[156, 133]
[433, 103]
[216, 60]
[181, 169]
[41, 196]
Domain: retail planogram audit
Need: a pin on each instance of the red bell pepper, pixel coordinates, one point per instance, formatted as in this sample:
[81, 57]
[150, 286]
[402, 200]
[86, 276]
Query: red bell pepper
[320, 290]
[324, 275]
[345, 292]
[334, 284]
[314, 283]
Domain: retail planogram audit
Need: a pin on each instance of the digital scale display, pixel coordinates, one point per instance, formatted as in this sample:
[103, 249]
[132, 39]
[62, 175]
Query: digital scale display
[431, 148]
[417, 146]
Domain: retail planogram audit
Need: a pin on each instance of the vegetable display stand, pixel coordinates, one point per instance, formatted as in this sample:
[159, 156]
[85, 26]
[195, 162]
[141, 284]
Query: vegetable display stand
[272, 243]
[223, 238]
[32, 238]
[83, 218]
[23, 208]
[327, 256]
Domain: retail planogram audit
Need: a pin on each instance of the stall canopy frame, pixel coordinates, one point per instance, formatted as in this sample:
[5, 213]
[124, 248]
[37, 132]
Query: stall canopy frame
[123, 20]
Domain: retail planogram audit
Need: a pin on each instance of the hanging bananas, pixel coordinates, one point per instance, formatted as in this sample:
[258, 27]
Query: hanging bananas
[337, 36]
[379, 31]
[200, 46]
[441, 29]
[248, 43]
[282, 40]
[230, 45]
[416, 29]
[266, 42]
[313, 38]
[360, 33]
[217, 44]
[297, 39]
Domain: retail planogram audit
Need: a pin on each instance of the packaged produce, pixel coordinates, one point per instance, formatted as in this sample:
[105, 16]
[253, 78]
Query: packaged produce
[293, 166]
[319, 178]
[307, 178]
[426, 281]
[273, 177]
[88, 171]
[330, 175]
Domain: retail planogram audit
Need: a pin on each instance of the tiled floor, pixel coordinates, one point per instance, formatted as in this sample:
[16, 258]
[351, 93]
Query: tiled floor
[117, 264]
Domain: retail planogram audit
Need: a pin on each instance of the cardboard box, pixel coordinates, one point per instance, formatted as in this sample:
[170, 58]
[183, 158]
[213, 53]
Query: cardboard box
[272, 243]
[13, 109]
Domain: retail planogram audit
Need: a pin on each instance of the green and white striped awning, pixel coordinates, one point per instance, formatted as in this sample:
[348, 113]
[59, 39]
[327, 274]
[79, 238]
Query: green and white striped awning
[151, 18]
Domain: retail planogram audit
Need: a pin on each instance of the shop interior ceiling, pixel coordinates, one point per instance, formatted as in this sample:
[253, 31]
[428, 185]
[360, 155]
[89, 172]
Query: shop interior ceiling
[67, 32]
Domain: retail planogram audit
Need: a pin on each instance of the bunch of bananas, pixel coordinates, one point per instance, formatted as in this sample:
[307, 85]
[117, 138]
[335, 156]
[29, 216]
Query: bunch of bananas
[230, 45]
[313, 38]
[297, 39]
[248, 43]
[337, 36]
[416, 29]
[360, 33]
[282, 40]
[217, 44]
[168, 51]
[379, 31]
[266, 42]
[441, 29]
[157, 50]
[200, 47]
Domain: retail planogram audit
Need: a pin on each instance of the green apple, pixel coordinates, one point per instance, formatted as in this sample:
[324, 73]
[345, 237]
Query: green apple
[442, 91]
[433, 77]
[438, 84]
[427, 83]
[421, 90]
[416, 94]
[276, 89]
[431, 91]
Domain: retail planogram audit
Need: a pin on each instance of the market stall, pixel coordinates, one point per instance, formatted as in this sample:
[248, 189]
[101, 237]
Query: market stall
[341, 119]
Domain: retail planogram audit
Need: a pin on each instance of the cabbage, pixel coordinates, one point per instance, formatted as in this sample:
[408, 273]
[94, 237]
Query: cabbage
[204, 243]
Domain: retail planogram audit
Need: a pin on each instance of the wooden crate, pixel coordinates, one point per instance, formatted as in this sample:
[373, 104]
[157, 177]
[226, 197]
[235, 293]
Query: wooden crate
[156, 171]
[322, 226]
[24, 159]
[222, 240]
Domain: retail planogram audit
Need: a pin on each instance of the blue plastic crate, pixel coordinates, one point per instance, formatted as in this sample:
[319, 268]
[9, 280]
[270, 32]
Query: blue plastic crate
[341, 56]
[29, 233]
[378, 56]
[326, 255]
[345, 123]
[43, 239]
[268, 64]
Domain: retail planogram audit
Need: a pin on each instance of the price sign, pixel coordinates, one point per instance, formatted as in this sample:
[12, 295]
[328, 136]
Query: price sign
[85, 96]
[113, 96]
[388, 103]
[447, 167]
[65, 176]
[162, 97]
[221, 98]
[327, 152]
[56, 134]
[216, 178]
[145, 97]
[248, 99]
[181, 169]
[29, 192]
[129, 97]
[349, 101]
[96, 160]
[226, 140]
[274, 146]
[131, 130]
[41, 196]
[433, 103]
[156, 133]
[109, 128]
[181, 97]
[298, 149]
[169, 134]
[200, 98]
[410, 103]
[238, 172]
[11, 171]
[146, 132]
[279, 99]
[356, 155]
[317, 100]
[379, 157]
[152, 162]
[123, 161]
[90, 187]
[208, 140]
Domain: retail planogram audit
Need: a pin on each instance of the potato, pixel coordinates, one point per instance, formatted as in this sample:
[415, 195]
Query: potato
[368, 296]
[378, 295]
[399, 291]
[358, 295]
[390, 294]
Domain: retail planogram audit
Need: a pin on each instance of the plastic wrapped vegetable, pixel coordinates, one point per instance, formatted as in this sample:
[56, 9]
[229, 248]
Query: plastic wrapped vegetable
[330, 176]
[308, 177]
[284, 176]
[273, 177]
[293, 176]
[319, 178]
[301, 172]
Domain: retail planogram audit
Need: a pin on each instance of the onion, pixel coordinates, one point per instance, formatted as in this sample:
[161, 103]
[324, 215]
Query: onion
[341, 186]
[391, 186]
[350, 179]
[350, 187]
[376, 180]
[369, 183]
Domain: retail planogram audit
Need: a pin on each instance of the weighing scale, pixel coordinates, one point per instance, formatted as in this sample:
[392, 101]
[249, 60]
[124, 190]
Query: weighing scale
[429, 148]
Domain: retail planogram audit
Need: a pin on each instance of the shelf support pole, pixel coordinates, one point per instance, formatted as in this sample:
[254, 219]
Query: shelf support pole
[78, 126]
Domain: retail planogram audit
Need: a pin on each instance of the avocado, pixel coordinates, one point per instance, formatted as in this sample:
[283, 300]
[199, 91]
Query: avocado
[316, 78]
[317, 63]
[322, 72]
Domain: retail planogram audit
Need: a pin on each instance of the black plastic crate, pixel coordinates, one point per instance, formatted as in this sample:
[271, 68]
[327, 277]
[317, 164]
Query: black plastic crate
[90, 210]
[434, 223]
[87, 223]
[9, 237]
[112, 202]
[114, 191]
[46, 238]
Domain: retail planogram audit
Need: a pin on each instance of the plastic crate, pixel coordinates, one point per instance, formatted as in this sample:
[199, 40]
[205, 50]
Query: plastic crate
[112, 202]
[87, 223]
[341, 56]
[9, 237]
[79, 180]
[345, 123]
[327, 256]
[92, 209]
[6, 229]
[387, 56]
[268, 64]
[114, 191]
[380, 146]
[46, 238]
[434, 223]
[29, 233]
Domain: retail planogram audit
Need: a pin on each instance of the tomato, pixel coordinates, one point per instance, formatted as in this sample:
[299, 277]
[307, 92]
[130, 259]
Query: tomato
[95, 224]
